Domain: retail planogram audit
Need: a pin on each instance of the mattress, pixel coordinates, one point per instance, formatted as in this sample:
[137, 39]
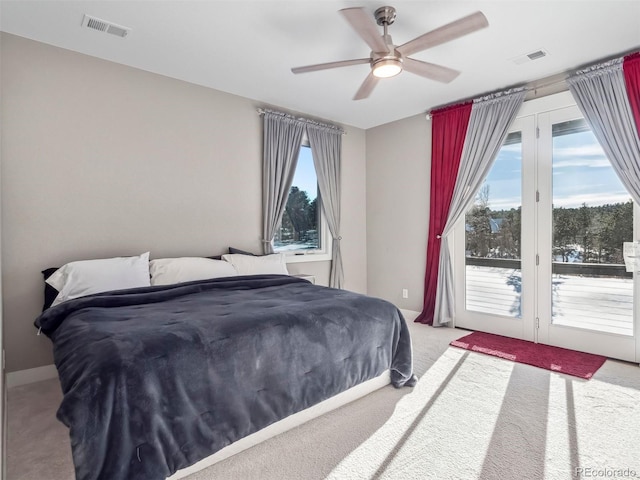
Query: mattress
[156, 379]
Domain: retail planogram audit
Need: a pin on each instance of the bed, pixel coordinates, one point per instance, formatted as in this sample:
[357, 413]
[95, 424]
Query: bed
[157, 378]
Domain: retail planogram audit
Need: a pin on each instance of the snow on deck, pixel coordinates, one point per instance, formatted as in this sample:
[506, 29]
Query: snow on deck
[596, 303]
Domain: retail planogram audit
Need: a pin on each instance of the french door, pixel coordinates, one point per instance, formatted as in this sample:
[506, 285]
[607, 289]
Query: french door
[539, 255]
[493, 261]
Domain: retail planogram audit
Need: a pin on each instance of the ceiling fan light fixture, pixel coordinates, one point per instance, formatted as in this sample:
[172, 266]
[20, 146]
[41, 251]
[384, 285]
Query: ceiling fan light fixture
[387, 67]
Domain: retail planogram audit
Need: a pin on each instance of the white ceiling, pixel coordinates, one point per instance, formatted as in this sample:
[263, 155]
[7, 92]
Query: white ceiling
[248, 47]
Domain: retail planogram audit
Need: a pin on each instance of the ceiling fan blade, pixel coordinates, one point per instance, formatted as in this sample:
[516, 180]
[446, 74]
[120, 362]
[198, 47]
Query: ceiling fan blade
[364, 25]
[325, 66]
[429, 70]
[367, 87]
[450, 31]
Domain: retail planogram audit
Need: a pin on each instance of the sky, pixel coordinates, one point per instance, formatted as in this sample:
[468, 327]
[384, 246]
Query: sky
[581, 174]
[305, 177]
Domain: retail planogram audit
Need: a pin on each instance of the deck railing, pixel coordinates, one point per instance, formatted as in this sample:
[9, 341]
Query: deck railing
[562, 268]
[584, 295]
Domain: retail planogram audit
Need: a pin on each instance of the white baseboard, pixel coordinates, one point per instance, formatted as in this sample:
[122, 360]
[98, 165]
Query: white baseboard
[409, 315]
[31, 375]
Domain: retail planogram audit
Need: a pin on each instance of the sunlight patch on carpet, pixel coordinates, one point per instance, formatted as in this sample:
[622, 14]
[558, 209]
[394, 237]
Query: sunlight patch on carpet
[423, 421]
[472, 417]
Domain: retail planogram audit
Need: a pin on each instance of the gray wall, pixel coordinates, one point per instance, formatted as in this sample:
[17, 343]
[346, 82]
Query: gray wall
[100, 159]
[398, 175]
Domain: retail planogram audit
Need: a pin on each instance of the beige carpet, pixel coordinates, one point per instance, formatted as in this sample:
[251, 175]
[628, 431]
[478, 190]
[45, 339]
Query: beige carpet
[471, 416]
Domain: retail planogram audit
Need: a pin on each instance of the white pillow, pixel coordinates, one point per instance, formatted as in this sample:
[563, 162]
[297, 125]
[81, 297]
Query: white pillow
[86, 277]
[165, 271]
[253, 265]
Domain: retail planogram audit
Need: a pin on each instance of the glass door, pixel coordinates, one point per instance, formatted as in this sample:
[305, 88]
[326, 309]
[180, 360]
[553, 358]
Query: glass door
[585, 295]
[494, 277]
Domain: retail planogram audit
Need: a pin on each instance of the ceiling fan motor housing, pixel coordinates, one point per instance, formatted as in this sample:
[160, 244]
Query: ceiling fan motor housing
[385, 15]
[386, 64]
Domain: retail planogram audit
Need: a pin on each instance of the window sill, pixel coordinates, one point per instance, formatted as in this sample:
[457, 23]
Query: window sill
[308, 257]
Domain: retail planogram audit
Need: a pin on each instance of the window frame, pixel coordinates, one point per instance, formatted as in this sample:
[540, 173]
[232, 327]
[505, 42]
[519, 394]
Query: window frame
[322, 254]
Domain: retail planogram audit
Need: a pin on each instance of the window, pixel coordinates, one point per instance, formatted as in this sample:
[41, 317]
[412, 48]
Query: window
[302, 232]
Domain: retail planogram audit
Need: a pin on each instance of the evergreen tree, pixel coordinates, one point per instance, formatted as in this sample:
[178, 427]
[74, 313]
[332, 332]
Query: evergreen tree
[479, 225]
[300, 219]
[565, 231]
[597, 233]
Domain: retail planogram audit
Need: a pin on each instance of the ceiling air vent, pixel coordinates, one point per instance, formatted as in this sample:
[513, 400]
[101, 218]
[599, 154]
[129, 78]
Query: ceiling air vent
[529, 57]
[536, 55]
[104, 26]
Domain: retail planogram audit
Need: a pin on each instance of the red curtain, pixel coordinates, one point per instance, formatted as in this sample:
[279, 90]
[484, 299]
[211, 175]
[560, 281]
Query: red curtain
[631, 69]
[448, 131]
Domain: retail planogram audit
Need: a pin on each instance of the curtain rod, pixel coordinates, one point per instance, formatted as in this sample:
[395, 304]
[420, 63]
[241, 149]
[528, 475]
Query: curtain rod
[262, 111]
[534, 86]
[550, 81]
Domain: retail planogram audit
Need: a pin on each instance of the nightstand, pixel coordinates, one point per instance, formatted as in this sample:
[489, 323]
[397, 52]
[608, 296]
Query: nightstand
[310, 278]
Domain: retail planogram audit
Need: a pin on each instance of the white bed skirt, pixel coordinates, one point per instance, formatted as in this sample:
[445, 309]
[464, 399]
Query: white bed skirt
[288, 423]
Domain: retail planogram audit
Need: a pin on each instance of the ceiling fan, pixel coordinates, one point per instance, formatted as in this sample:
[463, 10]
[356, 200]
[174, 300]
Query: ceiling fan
[386, 59]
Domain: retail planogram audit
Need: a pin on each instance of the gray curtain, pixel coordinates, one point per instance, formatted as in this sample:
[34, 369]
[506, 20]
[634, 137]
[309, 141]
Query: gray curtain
[601, 95]
[489, 124]
[282, 137]
[326, 145]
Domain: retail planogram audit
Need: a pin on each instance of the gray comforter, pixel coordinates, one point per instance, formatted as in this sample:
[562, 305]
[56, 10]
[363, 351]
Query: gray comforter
[157, 378]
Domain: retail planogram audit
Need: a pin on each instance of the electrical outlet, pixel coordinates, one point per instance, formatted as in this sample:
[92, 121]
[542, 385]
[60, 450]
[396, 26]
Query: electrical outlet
[405, 293]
